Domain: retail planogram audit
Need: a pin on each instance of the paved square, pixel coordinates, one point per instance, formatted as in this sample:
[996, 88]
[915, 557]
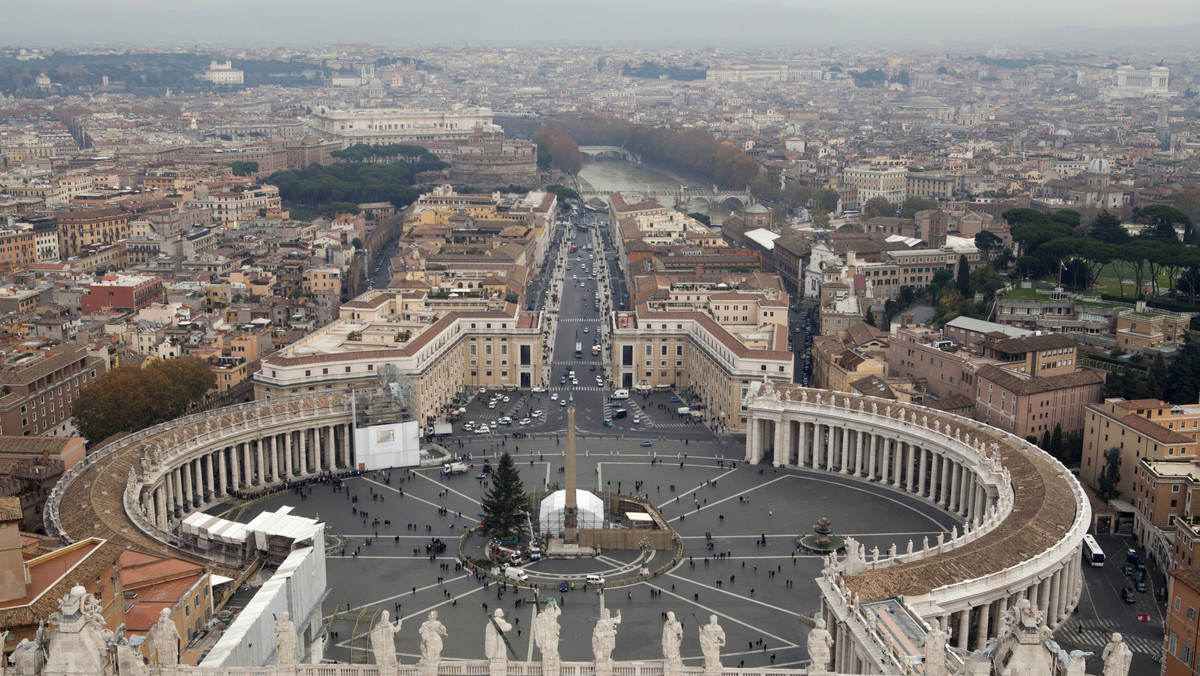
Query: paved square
[758, 593]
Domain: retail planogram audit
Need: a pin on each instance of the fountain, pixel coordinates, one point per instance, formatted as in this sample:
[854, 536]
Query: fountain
[822, 541]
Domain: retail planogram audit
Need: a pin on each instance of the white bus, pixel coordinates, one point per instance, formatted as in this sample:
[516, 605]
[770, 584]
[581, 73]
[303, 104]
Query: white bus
[1092, 552]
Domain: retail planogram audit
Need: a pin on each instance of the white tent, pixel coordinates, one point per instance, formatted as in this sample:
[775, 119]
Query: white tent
[590, 512]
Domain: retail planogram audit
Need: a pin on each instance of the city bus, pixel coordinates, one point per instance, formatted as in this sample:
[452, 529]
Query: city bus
[1092, 552]
[578, 349]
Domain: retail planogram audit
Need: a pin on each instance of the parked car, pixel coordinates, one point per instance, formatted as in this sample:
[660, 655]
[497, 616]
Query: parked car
[647, 442]
[1140, 585]
[675, 399]
[1127, 595]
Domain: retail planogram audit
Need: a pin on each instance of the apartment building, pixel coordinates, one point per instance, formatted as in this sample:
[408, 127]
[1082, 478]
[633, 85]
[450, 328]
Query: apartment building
[1142, 429]
[693, 350]
[441, 345]
[1027, 405]
[1182, 627]
[123, 293]
[38, 386]
[890, 183]
[80, 229]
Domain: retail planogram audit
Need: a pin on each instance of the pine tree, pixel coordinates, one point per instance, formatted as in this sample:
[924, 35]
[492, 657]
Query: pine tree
[1056, 442]
[964, 277]
[1107, 228]
[1045, 441]
[504, 501]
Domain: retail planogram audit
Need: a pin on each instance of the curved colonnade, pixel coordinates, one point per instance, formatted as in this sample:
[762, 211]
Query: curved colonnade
[137, 489]
[1024, 515]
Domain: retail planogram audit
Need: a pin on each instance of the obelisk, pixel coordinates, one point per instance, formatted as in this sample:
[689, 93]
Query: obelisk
[570, 508]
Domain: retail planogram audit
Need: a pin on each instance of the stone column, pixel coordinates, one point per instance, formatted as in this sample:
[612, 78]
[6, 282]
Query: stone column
[947, 474]
[222, 478]
[348, 459]
[329, 458]
[1044, 596]
[777, 442]
[844, 453]
[802, 450]
[262, 468]
[893, 460]
[310, 451]
[235, 473]
[922, 470]
[148, 505]
[161, 505]
[189, 490]
[874, 444]
[859, 436]
[247, 465]
[208, 473]
[750, 442]
[955, 480]
[288, 473]
[964, 624]
[981, 626]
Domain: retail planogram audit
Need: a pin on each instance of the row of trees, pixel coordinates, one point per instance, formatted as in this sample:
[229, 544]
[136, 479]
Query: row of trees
[1059, 243]
[130, 398]
[693, 152]
[361, 152]
[653, 71]
[557, 150]
[316, 185]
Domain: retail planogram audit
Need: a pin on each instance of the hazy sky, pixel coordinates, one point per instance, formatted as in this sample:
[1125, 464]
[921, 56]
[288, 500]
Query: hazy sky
[649, 24]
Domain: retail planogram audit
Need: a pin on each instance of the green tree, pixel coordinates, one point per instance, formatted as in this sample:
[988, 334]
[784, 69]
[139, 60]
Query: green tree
[130, 398]
[504, 502]
[987, 243]
[1110, 476]
[1056, 442]
[1163, 220]
[913, 204]
[964, 277]
[1107, 228]
[703, 218]
[563, 192]
[1156, 380]
[244, 168]
[1045, 444]
[877, 206]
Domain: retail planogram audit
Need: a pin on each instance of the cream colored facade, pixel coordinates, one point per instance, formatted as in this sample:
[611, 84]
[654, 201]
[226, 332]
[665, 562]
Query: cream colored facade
[890, 183]
[693, 351]
[441, 348]
[377, 126]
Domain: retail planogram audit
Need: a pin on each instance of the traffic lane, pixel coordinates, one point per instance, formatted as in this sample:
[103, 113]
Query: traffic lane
[1101, 604]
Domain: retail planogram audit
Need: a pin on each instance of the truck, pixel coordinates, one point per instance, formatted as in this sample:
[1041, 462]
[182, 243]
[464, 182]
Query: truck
[455, 468]
[441, 430]
[620, 394]
[514, 573]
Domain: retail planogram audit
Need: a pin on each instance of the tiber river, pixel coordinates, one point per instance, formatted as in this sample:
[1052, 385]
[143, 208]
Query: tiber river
[621, 176]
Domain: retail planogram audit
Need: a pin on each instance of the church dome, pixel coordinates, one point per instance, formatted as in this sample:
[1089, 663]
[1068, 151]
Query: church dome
[1099, 166]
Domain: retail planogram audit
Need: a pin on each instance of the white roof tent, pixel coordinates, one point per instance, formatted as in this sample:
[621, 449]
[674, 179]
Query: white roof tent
[590, 512]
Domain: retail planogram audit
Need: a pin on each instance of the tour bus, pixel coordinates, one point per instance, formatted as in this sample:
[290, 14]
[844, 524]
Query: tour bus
[578, 349]
[1092, 552]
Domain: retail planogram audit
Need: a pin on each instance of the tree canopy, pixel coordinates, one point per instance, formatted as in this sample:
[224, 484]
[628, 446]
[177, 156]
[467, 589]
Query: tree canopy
[130, 398]
[316, 185]
[561, 152]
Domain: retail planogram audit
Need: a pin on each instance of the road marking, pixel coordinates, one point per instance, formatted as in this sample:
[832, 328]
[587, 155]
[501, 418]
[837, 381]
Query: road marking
[438, 483]
[713, 611]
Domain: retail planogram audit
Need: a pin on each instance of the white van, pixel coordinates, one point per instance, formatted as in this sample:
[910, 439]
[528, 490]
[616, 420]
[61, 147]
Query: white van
[514, 573]
[620, 394]
[683, 410]
[593, 579]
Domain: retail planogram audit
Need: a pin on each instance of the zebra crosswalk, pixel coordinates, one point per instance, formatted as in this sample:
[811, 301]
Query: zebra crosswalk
[1097, 633]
